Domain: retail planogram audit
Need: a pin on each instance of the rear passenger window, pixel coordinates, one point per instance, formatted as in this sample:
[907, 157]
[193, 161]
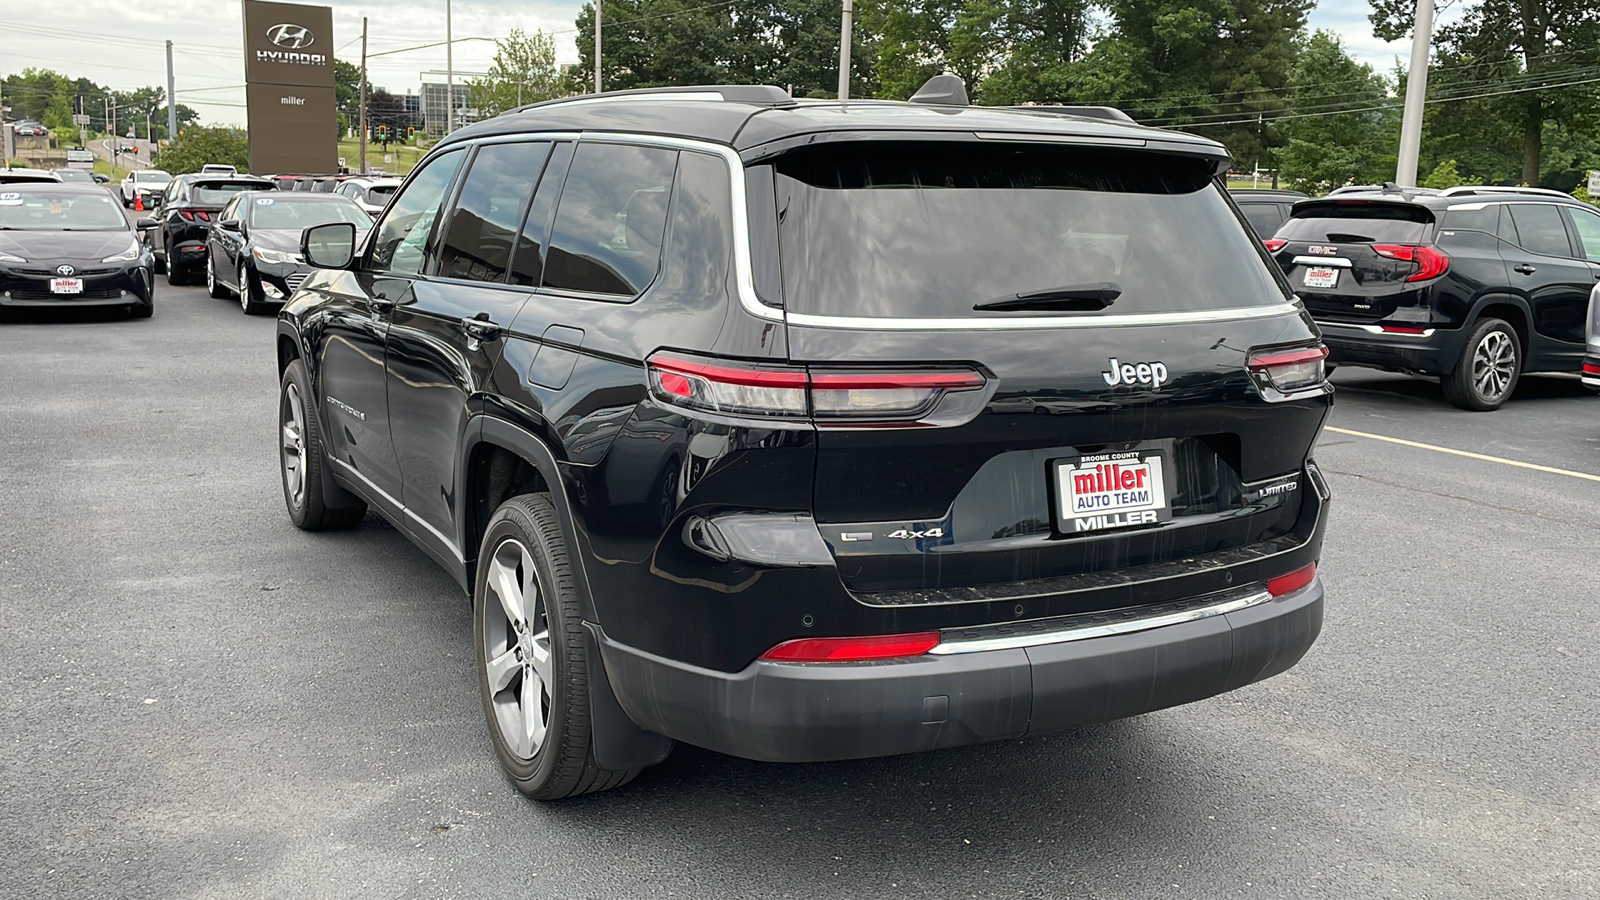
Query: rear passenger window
[1588, 225]
[1541, 229]
[1263, 217]
[483, 224]
[610, 220]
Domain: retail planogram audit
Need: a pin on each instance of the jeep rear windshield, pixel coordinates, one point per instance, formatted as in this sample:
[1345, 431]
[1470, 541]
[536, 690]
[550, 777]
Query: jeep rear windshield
[929, 230]
[1357, 222]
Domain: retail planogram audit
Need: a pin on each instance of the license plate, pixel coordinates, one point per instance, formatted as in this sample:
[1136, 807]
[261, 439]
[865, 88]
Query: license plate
[1321, 277]
[66, 285]
[1111, 490]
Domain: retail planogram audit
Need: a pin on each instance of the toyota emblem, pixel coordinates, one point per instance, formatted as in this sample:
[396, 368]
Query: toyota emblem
[290, 37]
[65, 270]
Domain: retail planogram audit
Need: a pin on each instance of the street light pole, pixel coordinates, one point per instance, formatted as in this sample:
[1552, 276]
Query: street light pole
[844, 51]
[1416, 93]
[361, 129]
[597, 46]
[449, 74]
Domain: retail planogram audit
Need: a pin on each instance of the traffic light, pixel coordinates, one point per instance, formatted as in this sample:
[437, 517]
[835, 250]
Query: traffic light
[411, 133]
[383, 132]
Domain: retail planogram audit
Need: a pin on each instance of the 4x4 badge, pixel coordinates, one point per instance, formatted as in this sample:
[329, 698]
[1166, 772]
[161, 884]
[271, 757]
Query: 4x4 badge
[908, 533]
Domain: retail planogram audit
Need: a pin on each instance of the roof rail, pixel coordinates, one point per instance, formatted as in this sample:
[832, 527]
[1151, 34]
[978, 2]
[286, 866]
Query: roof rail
[755, 94]
[1468, 190]
[1109, 113]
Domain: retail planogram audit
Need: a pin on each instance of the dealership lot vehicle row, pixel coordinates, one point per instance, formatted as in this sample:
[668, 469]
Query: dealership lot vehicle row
[205, 699]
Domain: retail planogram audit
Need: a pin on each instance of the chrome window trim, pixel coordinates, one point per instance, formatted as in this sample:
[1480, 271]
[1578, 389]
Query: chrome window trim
[1255, 597]
[997, 324]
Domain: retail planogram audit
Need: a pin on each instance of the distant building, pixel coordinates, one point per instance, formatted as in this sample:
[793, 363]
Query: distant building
[413, 109]
[433, 101]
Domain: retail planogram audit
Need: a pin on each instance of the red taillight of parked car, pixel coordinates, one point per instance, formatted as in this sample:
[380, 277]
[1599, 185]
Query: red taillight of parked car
[1431, 263]
[878, 399]
[1292, 369]
[854, 649]
[1273, 245]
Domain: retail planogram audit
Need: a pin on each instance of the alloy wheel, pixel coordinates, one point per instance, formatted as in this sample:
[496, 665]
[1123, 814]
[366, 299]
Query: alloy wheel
[293, 417]
[1494, 364]
[244, 288]
[517, 649]
[211, 276]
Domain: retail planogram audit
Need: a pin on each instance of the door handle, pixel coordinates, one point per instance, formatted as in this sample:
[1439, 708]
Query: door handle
[380, 303]
[1525, 269]
[481, 328]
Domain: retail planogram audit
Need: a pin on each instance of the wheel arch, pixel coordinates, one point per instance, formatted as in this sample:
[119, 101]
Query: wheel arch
[1510, 307]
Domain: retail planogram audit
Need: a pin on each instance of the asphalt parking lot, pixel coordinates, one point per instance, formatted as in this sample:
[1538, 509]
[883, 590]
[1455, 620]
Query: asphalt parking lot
[201, 701]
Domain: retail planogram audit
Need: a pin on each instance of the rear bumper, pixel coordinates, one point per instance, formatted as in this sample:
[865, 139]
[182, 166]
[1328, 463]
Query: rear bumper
[797, 712]
[1432, 353]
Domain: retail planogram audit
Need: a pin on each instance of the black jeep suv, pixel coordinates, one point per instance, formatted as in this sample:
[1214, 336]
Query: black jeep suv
[1475, 285]
[809, 430]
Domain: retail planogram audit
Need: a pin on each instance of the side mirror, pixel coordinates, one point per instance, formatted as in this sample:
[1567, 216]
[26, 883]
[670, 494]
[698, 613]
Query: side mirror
[228, 224]
[330, 246]
[145, 223]
[101, 179]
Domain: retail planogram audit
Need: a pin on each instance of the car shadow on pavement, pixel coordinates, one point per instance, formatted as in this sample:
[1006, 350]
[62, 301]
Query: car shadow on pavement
[50, 316]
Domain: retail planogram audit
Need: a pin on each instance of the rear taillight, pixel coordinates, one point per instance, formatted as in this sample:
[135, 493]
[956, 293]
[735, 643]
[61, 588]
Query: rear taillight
[187, 214]
[1402, 329]
[202, 215]
[1273, 245]
[1290, 370]
[877, 399]
[1294, 581]
[1431, 263]
[854, 649]
[1590, 368]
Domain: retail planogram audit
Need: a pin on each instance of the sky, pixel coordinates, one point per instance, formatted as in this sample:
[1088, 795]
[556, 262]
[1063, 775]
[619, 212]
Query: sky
[123, 44]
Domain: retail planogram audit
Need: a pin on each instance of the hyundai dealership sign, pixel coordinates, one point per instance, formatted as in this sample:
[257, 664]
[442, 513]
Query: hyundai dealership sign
[288, 73]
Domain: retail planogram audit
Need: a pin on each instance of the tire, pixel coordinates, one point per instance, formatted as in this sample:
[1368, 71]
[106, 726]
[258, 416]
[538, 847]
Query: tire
[300, 451]
[247, 293]
[1490, 365]
[525, 603]
[177, 275]
[142, 310]
[215, 288]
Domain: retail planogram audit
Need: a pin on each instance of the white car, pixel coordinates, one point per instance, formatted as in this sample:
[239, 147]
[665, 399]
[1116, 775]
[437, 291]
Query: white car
[148, 183]
[371, 193]
[218, 169]
[1591, 354]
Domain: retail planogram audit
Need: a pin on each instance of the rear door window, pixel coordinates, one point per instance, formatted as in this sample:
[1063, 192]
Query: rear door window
[1540, 229]
[929, 230]
[1587, 224]
[1484, 218]
[610, 220]
[483, 224]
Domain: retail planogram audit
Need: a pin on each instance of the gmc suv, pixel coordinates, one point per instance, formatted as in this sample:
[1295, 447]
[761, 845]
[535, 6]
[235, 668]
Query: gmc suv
[815, 430]
[1475, 285]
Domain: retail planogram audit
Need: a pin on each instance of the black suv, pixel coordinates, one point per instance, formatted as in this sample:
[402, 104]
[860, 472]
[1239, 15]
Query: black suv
[806, 430]
[1266, 209]
[188, 207]
[1475, 285]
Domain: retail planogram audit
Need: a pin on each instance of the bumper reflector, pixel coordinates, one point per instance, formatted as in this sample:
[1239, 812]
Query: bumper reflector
[854, 649]
[1294, 581]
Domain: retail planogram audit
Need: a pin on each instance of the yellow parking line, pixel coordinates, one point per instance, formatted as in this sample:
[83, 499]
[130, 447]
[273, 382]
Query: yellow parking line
[1494, 459]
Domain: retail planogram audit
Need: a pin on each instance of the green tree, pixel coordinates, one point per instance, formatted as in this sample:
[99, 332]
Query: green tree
[199, 145]
[1444, 175]
[524, 71]
[1345, 129]
[1514, 66]
[1044, 41]
[346, 92]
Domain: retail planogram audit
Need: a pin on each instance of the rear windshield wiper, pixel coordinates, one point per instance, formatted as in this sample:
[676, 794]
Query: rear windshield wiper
[1091, 297]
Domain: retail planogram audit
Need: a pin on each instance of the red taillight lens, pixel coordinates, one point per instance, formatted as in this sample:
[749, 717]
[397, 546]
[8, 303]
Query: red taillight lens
[1294, 581]
[885, 394]
[1431, 263]
[745, 390]
[187, 214]
[1590, 368]
[1273, 245]
[1290, 370]
[854, 649]
[885, 399]
[202, 215]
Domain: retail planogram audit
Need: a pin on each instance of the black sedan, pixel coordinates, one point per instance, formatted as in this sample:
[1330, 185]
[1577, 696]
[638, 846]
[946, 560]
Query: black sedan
[188, 206]
[70, 245]
[253, 249]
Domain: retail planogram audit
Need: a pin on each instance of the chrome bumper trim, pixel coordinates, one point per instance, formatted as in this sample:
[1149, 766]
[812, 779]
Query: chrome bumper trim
[1074, 628]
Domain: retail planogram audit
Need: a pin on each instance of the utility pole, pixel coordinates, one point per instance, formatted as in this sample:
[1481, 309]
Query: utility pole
[172, 104]
[449, 74]
[1416, 91]
[844, 51]
[361, 130]
[597, 45]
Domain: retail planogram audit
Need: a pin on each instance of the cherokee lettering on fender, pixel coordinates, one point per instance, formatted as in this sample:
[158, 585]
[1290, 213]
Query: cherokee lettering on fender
[1151, 373]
